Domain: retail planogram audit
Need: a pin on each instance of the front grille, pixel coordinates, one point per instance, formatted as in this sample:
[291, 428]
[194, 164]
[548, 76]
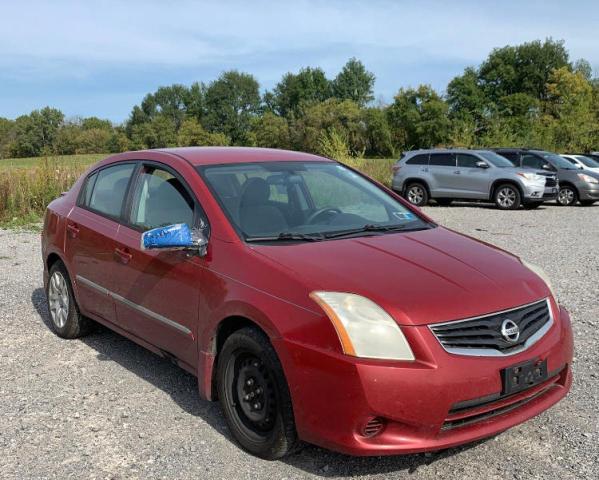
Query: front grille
[550, 182]
[483, 335]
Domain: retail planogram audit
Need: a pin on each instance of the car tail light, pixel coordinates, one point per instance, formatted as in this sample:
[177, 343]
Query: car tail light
[373, 427]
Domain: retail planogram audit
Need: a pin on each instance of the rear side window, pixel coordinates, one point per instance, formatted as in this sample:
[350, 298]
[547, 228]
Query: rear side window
[511, 156]
[442, 159]
[420, 159]
[108, 191]
[467, 161]
[532, 161]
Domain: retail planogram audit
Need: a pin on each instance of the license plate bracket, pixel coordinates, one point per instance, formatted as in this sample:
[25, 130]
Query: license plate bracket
[524, 375]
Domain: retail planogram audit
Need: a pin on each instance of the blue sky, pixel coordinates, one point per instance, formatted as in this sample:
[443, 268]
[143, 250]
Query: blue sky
[101, 57]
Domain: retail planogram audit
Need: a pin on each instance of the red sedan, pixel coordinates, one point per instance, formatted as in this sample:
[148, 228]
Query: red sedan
[312, 302]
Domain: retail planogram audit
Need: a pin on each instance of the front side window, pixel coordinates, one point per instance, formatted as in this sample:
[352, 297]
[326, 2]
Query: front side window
[532, 161]
[557, 161]
[108, 191]
[160, 199]
[588, 161]
[303, 198]
[511, 156]
[467, 161]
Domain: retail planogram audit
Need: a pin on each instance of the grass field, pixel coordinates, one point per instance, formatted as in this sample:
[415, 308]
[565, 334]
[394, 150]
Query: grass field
[27, 185]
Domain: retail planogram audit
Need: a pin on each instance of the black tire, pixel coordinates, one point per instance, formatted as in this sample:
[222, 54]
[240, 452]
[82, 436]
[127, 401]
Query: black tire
[532, 205]
[417, 194]
[567, 196]
[66, 320]
[444, 202]
[587, 203]
[259, 414]
[507, 197]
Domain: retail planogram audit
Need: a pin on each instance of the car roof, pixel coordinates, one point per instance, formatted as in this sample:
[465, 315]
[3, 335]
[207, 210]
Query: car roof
[218, 155]
[447, 150]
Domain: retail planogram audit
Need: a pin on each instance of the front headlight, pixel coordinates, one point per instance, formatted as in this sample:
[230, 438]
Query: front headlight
[364, 329]
[587, 178]
[541, 273]
[533, 177]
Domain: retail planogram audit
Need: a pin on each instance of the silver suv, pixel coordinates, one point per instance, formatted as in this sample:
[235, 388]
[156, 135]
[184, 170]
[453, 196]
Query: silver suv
[460, 174]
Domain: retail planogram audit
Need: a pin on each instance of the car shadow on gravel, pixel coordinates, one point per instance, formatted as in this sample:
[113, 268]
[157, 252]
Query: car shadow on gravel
[182, 388]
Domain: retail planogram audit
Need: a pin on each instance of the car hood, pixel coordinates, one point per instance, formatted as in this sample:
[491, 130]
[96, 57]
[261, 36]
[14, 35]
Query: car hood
[420, 277]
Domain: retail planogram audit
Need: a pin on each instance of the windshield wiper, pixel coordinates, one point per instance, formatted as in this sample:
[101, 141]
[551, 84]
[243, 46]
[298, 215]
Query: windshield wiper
[286, 236]
[370, 228]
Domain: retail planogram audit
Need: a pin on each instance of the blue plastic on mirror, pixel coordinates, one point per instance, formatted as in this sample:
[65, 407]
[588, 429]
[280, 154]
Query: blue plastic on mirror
[172, 236]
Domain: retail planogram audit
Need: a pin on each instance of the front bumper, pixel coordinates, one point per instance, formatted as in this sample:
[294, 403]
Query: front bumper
[438, 401]
[588, 192]
[538, 191]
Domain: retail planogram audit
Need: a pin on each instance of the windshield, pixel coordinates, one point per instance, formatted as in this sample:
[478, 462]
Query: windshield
[557, 161]
[496, 160]
[300, 199]
[587, 162]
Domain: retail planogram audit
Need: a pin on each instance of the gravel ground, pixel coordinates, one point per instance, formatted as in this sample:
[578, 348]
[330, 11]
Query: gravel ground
[103, 407]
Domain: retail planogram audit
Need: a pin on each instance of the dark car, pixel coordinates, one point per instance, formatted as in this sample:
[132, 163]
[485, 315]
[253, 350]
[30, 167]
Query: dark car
[574, 186]
[312, 302]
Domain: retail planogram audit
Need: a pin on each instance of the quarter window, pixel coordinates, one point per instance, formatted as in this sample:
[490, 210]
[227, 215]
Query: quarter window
[467, 161]
[443, 159]
[160, 199]
[511, 156]
[108, 189]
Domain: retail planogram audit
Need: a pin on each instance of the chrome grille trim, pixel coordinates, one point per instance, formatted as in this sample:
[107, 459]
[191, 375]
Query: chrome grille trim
[492, 352]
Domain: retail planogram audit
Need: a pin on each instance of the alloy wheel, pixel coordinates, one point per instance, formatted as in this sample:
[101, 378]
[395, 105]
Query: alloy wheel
[58, 299]
[566, 196]
[506, 197]
[416, 195]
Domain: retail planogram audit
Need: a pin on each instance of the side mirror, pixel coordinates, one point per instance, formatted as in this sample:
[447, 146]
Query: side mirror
[175, 237]
[546, 166]
[481, 164]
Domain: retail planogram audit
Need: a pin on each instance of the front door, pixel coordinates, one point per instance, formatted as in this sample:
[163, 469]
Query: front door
[92, 227]
[471, 181]
[157, 292]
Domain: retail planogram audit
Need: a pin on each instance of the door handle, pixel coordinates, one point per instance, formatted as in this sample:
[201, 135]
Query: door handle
[73, 229]
[123, 255]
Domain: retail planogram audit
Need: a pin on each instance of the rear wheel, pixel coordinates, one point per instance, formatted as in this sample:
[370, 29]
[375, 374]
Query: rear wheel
[254, 395]
[444, 202]
[66, 319]
[416, 194]
[567, 196]
[587, 203]
[507, 197]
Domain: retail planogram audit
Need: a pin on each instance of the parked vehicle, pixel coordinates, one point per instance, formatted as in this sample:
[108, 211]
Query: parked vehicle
[312, 302]
[460, 174]
[583, 162]
[574, 185]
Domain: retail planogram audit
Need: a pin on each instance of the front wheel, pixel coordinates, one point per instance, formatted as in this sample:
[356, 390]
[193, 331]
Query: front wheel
[567, 196]
[507, 197]
[254, 396]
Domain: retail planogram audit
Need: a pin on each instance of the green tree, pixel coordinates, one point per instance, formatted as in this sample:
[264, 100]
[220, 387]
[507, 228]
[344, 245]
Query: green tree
[160, 132]
[354, 83]
[522, 68]
[35, 133]
[271, 131]
[296, 90]
[465, 97]
[418, 118]
[6, 136]
[192, 134]
[379, 141]
[231, 102]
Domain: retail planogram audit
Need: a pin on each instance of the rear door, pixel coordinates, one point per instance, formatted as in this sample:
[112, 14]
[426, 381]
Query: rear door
[92, 227]
[471, 181]
[442, 173]
[157, 292]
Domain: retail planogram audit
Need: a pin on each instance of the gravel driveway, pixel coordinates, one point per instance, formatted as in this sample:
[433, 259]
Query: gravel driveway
[103, 407]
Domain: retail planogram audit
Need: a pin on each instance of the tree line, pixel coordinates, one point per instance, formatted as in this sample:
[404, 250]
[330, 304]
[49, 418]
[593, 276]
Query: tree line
[531, 94]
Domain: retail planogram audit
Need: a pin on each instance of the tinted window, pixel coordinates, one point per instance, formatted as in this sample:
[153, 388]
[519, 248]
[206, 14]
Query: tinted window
[109, 189]
[571, 160]
[467, 161]
[511, 156]
[532, 161]
[160, 199]
[442, 159]
[588, 161]
[418, 160]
